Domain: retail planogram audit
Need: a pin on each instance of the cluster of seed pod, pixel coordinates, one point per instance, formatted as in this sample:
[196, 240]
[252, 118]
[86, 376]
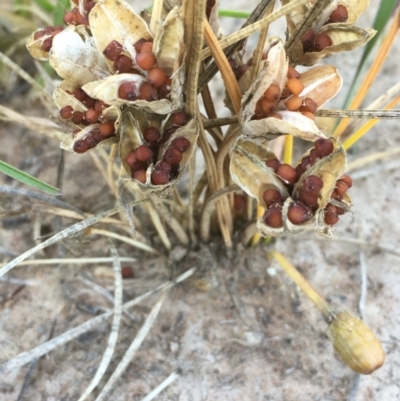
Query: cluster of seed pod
[306, 198]
[158, 84]
[268, 103]
[313, 42]
[167, 168]
[74, 17]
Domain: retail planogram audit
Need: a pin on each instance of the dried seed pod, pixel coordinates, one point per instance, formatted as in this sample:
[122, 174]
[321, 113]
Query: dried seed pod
[355, 343]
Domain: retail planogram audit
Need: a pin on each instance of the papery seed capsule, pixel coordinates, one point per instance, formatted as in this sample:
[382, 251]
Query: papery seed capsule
[113, 50]
[145, 61]
[292, 73]
[148, 92]
[159, 177]
[157, 77]
[308, 40]
[323, 147]
[107, 129]
[181, 143]
[47, 44]
[340, 14]
[331, 218]
[287, 173]
[128, 91]
[355, 343]
[143, 153]
[321, 41]
[39, 34]
[273, 163]
[272, 93]
[172, 156]
[347, 180]
[271, 196]
[298, 213]
[66, 112]
[308, 105]
[77, 117]
[239, 201]
[138, 45]
[123, 64]
[273, 216]
[341, 188]
[293, 103]
[140, 175]
[91, 116]
[295, 86]
[80, 146]
[179, 118]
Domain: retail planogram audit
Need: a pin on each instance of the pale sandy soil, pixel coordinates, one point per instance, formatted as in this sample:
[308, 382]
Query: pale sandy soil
[236, 331]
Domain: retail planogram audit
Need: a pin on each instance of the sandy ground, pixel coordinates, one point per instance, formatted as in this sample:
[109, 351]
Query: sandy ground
[239, 329]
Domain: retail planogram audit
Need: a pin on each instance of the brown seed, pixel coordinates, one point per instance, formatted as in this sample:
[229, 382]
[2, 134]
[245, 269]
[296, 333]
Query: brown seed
[321, 41]
[39, 34]
[138, 45]
[113, 50]
[308, 199]
[71, 18]
[330, 208]
[80, 94]
[347, 180]
[331, 218]
[313, 156]
[312, 185]
[96, 135]
[162, 165]
[340, 14]
[180, 143]
[147, 47]
[123, 64]
[323, 147]
[128, 91]
[302, 167]
[89, 5]
[57, 30]
[107, 129]
[168, 133]
[295, 86]
[335, 195]
[341, 188]
[66, 112]
[179, 118]
[308, 105]
[131, 158]
[273, 93]
[298, 213]
[77, 117]
[91, 141]
[91, 116]
[239, 201]
[287, 173]
[267, 106]
[80, 146]
[293, 103]
[143, 153]
[47, 44]
[151, 134]
[273, 216]
[172, 156]
[127, 272]
[159, 177]
[140, 175]
[137, 165]
[273, 163]
[99, 105]
[271, 196]
[145, 61]
[148, 92]
[292, 73]
[308, 40]
[157, 77]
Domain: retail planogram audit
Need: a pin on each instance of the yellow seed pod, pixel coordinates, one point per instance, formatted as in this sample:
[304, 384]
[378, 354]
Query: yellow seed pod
[355, 343]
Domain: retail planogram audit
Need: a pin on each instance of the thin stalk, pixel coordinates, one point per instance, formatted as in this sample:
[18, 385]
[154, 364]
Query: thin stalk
[288, 149]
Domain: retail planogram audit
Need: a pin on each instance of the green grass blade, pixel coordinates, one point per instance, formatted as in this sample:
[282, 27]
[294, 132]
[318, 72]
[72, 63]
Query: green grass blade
[45, 5]
[233, 14]
[25, 178]
[59, 11]
[385, 12]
